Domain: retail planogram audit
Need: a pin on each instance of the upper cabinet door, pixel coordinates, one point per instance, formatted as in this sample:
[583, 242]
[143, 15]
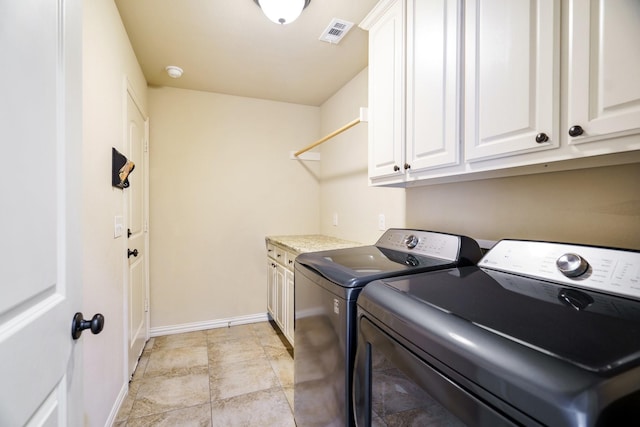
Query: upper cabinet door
[604, 69]
[386, 92]
[512, 77]
[433, 83]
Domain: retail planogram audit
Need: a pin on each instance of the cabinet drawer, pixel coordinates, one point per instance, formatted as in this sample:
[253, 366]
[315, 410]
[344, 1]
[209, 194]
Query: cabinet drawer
[279, 254]
[271, 251]
[289, 260]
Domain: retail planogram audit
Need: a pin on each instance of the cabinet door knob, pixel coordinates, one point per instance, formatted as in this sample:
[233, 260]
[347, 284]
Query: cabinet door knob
[541, 137]
[407, 166]
[576, 131]
[396, 168]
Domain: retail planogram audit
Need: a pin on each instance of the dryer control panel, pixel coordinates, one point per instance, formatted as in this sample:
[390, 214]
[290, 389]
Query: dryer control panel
[613, 271]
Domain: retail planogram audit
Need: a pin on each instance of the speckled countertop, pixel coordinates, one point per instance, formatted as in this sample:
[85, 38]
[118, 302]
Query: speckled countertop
[310, 242]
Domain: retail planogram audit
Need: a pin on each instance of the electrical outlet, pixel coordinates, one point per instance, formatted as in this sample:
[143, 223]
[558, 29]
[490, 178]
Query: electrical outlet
[335, 219]
[381, 222]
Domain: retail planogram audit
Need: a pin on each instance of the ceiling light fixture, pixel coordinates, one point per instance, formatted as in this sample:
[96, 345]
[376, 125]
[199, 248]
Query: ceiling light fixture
[174, 72]
[282, 11]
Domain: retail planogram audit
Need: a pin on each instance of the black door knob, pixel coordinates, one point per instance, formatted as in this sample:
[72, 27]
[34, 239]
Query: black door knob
[407, 166]
[132, 252]
[576, 131]
[541, 137]
[396, 168]
[78, 324]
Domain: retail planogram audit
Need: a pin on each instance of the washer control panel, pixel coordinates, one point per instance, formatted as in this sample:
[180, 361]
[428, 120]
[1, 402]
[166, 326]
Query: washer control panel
[572, 265]
[614, 271]
[419, 242]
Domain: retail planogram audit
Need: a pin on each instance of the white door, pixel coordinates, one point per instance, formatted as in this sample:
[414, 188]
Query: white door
[433, 87]
[512, 77]
[604, 70]
[289, 305]
[271, 288]
[137, 232]
[386, 94]
[41, 267]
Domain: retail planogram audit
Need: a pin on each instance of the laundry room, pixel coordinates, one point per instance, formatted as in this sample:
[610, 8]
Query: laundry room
[488, 151]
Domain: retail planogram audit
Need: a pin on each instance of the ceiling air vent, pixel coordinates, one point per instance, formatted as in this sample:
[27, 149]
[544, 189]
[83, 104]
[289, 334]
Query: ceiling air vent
[336, 30]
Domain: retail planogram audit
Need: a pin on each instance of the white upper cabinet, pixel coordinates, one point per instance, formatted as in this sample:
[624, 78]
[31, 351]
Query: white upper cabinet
[386, 90]
[512, 74]
[414, 114]
[433, 84]
[534, 86]
[604, 70]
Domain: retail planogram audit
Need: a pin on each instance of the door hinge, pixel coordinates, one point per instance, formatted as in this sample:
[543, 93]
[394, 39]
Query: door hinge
[146, 305]
[145, 227]
[146, 145]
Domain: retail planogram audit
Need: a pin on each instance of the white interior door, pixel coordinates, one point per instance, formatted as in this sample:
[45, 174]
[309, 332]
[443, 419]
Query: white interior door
[41, 130]
[137, 233]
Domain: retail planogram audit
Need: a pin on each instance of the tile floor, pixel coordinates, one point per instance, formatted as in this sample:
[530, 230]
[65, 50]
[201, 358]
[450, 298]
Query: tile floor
[237, 376]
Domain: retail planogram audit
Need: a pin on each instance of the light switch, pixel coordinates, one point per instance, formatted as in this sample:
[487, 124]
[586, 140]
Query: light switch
[381, 222]
[118, 226]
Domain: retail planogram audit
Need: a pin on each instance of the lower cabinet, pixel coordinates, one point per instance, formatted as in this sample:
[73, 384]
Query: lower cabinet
[280, 288]
[288, 304]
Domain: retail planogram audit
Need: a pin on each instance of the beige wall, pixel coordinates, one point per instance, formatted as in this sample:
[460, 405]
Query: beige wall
[107, 58]
[221, 180]
[344, 187]
[598, 206]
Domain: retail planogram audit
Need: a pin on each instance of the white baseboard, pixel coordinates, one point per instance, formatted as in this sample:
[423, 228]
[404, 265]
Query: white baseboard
[209, 324]
[116, 406]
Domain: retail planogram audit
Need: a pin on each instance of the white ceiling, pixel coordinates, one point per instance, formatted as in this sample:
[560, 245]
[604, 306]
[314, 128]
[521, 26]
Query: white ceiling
[229, 46]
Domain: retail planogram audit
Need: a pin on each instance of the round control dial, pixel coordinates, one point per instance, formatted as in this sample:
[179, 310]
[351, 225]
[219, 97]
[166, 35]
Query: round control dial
[411, 241]
[572, 265]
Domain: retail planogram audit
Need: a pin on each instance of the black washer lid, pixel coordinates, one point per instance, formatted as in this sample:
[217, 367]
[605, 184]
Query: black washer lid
[354, 267]
[602, 336]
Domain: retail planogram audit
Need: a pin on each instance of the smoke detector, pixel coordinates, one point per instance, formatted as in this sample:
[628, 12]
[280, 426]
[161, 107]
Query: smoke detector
[336, 30]
[174, 72]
